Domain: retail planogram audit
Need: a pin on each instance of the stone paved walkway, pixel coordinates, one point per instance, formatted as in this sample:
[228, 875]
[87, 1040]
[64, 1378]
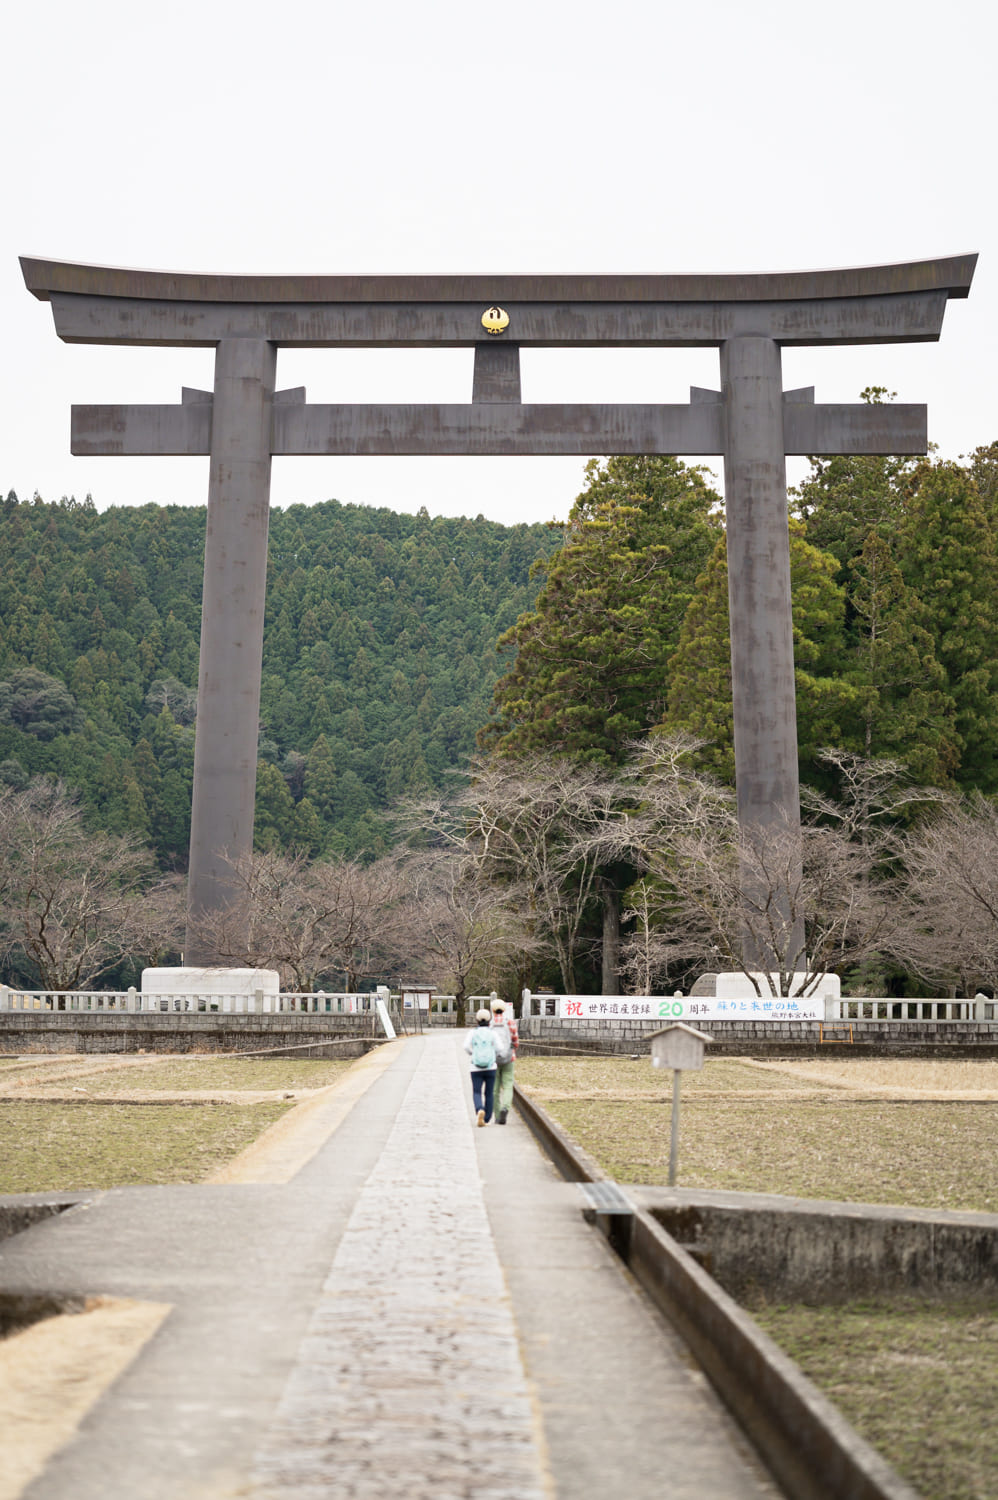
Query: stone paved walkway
[411, 1365]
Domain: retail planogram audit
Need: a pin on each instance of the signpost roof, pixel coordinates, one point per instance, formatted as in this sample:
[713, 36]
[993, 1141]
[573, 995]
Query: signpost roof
[702, 1036]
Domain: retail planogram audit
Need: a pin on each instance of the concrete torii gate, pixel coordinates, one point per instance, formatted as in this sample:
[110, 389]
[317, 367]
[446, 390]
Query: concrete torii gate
[244, 421]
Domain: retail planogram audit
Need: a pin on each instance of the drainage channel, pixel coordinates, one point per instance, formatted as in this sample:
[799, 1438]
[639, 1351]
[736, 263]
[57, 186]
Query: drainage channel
[808, 1446]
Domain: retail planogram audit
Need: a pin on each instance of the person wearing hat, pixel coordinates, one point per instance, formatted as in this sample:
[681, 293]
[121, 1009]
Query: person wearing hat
[507, 1039]
[481, 1047]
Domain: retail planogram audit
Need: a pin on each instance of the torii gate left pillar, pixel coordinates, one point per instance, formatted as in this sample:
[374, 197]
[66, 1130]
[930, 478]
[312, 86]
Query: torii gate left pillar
[232, 617]
[751, 421]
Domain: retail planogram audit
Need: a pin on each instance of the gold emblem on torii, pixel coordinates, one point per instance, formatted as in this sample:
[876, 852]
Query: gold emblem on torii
[495, 320]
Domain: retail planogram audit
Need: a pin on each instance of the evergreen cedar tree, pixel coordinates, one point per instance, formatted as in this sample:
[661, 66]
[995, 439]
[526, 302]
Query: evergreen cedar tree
[893, 575]
[591, 668]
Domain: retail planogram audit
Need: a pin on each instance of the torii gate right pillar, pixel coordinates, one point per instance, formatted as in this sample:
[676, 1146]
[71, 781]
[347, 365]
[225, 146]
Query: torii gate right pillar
[762, 648]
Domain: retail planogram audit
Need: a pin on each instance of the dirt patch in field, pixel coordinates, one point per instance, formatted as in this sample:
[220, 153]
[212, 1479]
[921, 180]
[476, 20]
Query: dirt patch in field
[209, 1076]
[919, 1078]
[53, 1372]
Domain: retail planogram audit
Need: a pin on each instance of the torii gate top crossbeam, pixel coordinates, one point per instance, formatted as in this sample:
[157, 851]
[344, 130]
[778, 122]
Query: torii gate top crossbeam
[870, 304]
[951, 275]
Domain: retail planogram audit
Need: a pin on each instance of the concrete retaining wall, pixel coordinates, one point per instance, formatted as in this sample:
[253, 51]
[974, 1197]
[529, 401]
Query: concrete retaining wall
[829, 1252]
[810, 1448]
[339, 1036]
[770, 1038]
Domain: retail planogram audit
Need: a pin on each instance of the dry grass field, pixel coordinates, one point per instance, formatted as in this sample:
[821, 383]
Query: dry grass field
[920, 1382]
[99, 1121]
[922, 1132]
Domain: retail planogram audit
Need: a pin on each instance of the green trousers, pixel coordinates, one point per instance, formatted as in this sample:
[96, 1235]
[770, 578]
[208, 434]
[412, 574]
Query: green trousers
[504, 1086]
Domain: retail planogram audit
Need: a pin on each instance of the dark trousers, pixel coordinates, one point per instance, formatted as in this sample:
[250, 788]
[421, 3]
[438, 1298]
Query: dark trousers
[483, 1082]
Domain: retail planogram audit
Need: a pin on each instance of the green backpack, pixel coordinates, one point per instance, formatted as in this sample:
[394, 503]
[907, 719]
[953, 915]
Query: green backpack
[483, 1049]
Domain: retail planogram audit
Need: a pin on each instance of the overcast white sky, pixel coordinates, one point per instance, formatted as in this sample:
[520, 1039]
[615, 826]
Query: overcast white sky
[532, 136]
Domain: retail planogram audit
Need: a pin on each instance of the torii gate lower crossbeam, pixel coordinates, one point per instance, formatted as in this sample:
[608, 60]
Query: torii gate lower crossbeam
[245, 421]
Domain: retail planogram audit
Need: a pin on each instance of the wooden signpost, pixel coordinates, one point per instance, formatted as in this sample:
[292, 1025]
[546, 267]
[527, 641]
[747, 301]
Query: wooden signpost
[679, 1047]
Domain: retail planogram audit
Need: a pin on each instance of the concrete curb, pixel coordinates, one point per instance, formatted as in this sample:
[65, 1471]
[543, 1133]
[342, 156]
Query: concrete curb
[809, 1447]
[18, 1211]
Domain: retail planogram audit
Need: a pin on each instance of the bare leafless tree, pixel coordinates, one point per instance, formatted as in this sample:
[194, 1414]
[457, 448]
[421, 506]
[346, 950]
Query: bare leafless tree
[307, 920]
[950, 933]
[74, 902]
[454, 926]
[737, 891]
[818, 898]
[167, 692]
[541, 823]
[662, 942]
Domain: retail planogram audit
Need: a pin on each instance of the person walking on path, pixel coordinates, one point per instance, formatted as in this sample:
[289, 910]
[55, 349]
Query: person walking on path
[481, 1047]
[507, 1039]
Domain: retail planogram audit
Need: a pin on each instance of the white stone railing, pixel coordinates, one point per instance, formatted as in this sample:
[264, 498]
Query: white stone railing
[446, 1005]
[828, 1009]
[861, 1008]
[329, 1003]
[133, 1001]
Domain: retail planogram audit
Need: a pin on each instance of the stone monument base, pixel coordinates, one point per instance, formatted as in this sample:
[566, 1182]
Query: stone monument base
[211, 983]
[739, 986]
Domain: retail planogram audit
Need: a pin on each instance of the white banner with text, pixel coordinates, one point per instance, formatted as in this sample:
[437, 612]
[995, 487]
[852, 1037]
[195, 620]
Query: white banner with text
[692, 1008]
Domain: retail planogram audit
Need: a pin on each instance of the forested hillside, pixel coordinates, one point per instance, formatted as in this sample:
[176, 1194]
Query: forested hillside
[379, 659]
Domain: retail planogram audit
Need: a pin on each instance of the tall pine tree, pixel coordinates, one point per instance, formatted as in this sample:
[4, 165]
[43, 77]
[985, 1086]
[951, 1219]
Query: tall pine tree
[947, 551]
[903, 709]
[591, 666]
